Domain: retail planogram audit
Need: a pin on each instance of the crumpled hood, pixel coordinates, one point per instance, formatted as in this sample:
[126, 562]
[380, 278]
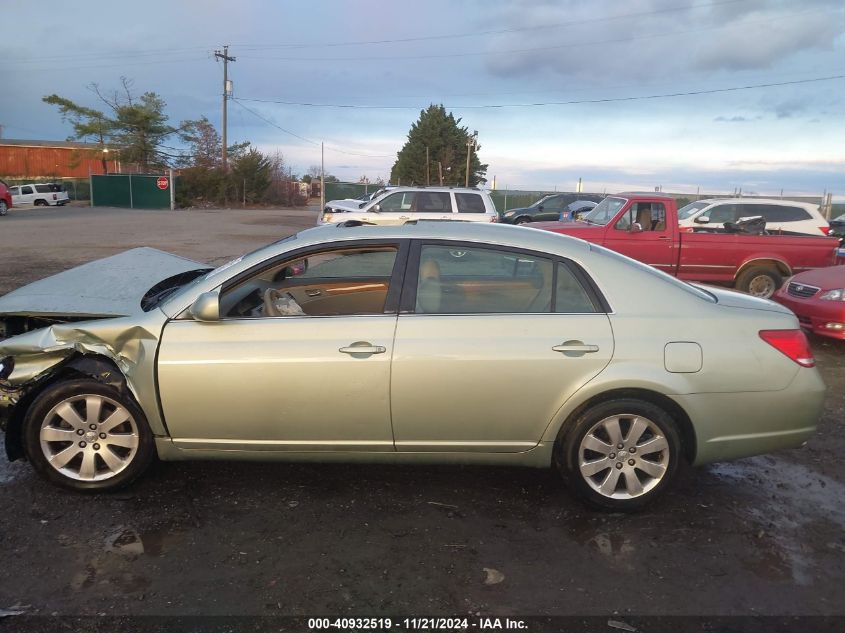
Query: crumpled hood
[113, 286]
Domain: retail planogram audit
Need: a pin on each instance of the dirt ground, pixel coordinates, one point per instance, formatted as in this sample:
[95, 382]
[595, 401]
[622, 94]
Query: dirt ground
[758, 536]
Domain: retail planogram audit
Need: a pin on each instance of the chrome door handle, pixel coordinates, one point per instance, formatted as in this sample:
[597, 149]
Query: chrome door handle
[577, 348]
[404, 217]
[362, 347]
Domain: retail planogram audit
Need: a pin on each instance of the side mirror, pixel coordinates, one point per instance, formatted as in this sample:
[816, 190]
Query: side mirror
[636, 227]
[206, 307]
[540, 208]
[376, 208]
[702, 219]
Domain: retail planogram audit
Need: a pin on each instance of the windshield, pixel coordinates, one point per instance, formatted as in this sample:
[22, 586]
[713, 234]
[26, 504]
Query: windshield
[604, 212]
[841, 218]
[684, 213]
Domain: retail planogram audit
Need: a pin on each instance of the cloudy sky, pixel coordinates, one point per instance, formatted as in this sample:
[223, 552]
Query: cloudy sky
[582, 84]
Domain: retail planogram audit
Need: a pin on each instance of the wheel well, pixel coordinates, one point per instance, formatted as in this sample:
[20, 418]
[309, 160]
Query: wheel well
[685, 429]
[93, 366]
[778, 265]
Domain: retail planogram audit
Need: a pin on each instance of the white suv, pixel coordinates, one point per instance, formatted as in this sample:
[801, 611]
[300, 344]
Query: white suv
[399, 205]
[39, 195]
[783, 215]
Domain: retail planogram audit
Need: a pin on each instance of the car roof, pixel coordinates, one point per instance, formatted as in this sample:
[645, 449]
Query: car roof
[492, 233]
[392, 189]
[778, 201]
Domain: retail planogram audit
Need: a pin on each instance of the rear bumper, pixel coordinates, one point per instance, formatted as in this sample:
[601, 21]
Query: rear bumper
[734, 425]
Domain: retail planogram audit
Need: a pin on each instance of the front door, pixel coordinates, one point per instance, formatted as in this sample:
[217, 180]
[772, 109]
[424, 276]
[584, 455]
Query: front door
[650, 242]
[299, 360]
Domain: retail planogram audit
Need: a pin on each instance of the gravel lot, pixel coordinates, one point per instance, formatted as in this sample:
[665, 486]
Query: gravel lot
[759, 536]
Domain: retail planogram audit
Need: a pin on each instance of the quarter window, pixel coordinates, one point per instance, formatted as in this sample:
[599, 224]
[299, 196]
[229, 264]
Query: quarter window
[776, 212]
[570, 295]
[470, 203]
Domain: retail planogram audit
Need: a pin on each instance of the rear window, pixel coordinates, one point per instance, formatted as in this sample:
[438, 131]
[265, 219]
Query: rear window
[469, 203]
[43, 189]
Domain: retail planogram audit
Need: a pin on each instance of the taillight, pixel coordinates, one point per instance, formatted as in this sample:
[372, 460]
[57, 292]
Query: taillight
[792, 344]
[825, 230]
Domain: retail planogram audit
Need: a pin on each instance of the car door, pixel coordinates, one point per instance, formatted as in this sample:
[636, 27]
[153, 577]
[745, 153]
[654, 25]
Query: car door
[552, 206]
[27, 196]
[490, 342]
[316, 379]
[651, 241]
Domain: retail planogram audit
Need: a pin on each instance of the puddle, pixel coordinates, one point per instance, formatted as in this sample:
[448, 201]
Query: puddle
[792, 499]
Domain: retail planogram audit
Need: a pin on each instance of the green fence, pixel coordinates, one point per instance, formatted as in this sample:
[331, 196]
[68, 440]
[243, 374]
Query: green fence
[131, 191]
[341, 190]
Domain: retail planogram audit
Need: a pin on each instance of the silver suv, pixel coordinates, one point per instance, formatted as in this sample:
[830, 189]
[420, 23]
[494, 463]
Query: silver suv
[399, 205]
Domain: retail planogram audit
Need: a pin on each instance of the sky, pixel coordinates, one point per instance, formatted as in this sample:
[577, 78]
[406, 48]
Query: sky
[557, 90]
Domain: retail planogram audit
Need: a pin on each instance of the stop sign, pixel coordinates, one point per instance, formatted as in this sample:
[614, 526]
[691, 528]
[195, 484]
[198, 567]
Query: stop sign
[162, 182]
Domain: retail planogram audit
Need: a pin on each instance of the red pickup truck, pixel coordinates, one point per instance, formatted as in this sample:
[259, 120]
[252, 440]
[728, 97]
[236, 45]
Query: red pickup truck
[645, 227]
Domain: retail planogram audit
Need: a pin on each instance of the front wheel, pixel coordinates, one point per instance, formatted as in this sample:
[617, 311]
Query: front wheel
[87, 436]
[522, 220]
[621, 454]
[759, 281]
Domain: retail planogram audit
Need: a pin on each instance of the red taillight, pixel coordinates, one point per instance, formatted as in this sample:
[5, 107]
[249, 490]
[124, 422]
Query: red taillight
[825, 230]
[792, 344]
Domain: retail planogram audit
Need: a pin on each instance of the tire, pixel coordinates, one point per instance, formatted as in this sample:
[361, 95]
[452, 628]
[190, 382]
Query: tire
[108, 457]
[522, 220]
[759, 281]
[40, 203]
[4, 209]
[630, 479]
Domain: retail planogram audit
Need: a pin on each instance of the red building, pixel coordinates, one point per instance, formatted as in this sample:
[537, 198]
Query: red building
[21, 160]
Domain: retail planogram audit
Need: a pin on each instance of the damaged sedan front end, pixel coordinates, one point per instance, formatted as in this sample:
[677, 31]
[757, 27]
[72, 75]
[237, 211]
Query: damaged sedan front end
[96, 321]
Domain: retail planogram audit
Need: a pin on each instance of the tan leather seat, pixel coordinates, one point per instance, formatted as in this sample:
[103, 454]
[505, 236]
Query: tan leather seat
[644, 218]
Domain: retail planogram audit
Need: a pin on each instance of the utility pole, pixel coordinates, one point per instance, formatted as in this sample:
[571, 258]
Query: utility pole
[322, 178]
[427, 164]
[227, 90]
[472, 141]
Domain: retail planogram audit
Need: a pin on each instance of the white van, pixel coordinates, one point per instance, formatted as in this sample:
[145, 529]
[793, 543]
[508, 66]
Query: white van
[780, 215]
[39, 195]
[398, 205]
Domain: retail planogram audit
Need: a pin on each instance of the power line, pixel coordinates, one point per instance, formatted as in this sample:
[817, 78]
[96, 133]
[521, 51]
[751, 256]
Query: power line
[307, 140]
[492, 32]
[587, 43]
[553, 103]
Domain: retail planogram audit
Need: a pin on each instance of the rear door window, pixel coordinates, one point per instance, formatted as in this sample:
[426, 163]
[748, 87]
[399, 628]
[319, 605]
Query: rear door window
[432, 202]
[43, 189]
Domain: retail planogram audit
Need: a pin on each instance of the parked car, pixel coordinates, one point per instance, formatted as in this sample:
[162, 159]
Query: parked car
[780, 215]
[547, 209]
[437, 342]
[397, 205]
[39, 195]
[645, 226]
[5, 198]
[817, 297]
[837, 228]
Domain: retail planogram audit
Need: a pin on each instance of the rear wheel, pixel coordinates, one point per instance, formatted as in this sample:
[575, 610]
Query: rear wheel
[621, 454]
[40, 203]
[84, 435]
[759, 281]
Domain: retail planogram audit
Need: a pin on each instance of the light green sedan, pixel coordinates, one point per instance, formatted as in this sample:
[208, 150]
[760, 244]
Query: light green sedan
[430, 342]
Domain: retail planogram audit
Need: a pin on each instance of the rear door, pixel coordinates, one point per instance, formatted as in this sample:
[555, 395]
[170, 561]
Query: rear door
[489, 343]
[470, 206]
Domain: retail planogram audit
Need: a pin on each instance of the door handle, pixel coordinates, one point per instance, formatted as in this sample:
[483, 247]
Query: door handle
[314, 292]
[404, 217]
[663, 237]
[362, 347]
[578, 348]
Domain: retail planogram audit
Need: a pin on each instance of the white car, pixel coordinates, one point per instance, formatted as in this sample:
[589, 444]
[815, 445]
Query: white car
[39, 195]
[399, 205]
[780, 215]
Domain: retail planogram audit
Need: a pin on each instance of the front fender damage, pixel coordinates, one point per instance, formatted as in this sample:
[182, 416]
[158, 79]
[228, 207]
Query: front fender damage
[108, 350]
